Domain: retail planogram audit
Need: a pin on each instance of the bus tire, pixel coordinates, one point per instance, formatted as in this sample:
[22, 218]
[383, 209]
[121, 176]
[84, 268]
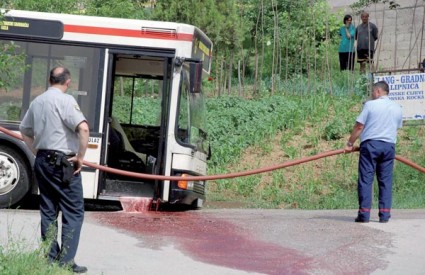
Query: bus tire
[14, 177]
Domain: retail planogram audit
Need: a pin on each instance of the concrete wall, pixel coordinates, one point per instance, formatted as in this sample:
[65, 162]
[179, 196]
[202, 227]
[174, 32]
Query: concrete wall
[401, 43]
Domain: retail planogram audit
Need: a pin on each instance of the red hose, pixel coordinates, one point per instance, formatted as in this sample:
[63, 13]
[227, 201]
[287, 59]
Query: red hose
[410, 163]
[217, 177]
[224, 176]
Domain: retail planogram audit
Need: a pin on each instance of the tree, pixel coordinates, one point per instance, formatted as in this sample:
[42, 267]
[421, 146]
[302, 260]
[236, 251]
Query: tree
[69, 6]
[291, 37]
[135, 9]
[268, 41]
[361, 4]
[220, 21]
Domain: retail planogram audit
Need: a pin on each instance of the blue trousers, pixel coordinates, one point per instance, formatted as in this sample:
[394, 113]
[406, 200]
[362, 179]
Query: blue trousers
[57, 196]
[376, 157]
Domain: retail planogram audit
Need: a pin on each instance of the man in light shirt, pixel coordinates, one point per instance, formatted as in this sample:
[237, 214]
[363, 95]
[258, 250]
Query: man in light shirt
[377, 127]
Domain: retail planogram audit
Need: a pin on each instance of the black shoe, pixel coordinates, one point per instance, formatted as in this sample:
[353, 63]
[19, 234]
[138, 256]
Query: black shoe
[383, 221]
[361, 220]
[78, 269]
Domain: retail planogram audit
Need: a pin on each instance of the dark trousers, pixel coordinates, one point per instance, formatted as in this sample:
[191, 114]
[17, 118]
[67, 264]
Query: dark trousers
[56, 196]
[364, 55]
[375, 157]
[346, 61]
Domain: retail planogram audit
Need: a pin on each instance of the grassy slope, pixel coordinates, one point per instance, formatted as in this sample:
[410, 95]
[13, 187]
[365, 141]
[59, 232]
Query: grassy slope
[317, 124]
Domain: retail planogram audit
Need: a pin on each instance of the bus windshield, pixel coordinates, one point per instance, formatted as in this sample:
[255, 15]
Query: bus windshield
[192, 117]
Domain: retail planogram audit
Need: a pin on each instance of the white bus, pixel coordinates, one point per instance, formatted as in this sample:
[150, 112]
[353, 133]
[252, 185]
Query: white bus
[137, 82]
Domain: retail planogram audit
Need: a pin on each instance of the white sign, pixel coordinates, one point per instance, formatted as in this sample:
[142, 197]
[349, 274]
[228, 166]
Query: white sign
[409, 91]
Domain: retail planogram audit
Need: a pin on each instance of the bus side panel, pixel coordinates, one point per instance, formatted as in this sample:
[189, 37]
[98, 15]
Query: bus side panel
[90, 179]
[189, 163]
[90, 176]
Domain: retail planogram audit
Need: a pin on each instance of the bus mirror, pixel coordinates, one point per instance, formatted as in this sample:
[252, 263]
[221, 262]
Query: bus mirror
[209, 152]
[178, 61]
[195, 77]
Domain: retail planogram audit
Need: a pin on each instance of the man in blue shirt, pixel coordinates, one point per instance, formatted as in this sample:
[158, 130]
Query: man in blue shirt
[377, 127]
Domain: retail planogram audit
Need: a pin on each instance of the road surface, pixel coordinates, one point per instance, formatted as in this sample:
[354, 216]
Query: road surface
[237, 241]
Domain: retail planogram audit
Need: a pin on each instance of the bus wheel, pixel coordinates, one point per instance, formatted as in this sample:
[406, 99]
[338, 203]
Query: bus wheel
[14, 177]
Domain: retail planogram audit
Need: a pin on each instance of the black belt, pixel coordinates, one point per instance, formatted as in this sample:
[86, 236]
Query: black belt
[59, 159]
[54, 157]
[54, 152]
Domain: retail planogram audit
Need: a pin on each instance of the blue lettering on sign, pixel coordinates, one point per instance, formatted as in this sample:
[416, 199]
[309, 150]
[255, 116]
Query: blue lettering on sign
[389, 79]
[412, 78]
[397, 97]
[409, 86]
[415, 92]
[396, 94]
[408, 91]
[415, 97]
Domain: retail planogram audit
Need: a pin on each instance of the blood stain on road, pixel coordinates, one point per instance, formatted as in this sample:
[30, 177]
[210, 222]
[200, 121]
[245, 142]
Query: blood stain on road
[209, 239]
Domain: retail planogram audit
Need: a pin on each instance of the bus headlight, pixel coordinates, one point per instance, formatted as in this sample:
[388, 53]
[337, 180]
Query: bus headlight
[184, 184]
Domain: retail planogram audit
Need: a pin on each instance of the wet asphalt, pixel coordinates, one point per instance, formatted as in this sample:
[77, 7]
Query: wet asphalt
[236, 241]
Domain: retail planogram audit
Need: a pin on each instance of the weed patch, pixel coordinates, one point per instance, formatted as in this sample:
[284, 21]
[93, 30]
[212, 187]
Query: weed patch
[248, 134]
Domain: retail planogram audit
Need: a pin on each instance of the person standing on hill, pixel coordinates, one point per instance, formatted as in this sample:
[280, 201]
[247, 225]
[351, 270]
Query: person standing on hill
[346, 47]
[366, 35]
[377, 127]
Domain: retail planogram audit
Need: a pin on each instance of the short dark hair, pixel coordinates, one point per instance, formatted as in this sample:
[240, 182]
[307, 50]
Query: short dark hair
[346, 17]
[383, 85]
[59, 77]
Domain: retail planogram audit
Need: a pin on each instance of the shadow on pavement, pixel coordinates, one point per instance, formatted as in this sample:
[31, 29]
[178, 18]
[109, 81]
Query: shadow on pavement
[31, 202]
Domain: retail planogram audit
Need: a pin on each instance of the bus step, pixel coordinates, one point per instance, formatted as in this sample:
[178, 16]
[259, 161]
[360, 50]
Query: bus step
[119, 188]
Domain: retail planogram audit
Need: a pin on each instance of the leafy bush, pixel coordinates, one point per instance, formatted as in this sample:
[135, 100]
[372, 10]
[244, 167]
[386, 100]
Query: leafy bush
[307, 124]
[335, 129]
[235, 123]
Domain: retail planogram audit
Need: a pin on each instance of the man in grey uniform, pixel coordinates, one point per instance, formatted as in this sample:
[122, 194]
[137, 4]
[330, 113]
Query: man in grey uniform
[57, 132]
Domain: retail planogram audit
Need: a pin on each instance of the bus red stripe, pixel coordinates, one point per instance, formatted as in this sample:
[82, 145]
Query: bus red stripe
[127, 33]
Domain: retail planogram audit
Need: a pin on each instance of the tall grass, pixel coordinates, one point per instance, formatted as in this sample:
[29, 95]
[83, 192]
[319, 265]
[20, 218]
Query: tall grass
[21, 256]
[253, 133]
[16, 259]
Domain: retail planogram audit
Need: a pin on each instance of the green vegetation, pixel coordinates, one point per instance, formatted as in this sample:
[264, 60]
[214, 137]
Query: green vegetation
[141, 115]
[11, 64]
[266, 41]
[18, 257]
[276, 62]
[253, 133]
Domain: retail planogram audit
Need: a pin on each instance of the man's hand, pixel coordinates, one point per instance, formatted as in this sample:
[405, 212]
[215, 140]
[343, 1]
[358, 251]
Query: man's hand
[355, 133]
[348, 148]
[78, 163]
